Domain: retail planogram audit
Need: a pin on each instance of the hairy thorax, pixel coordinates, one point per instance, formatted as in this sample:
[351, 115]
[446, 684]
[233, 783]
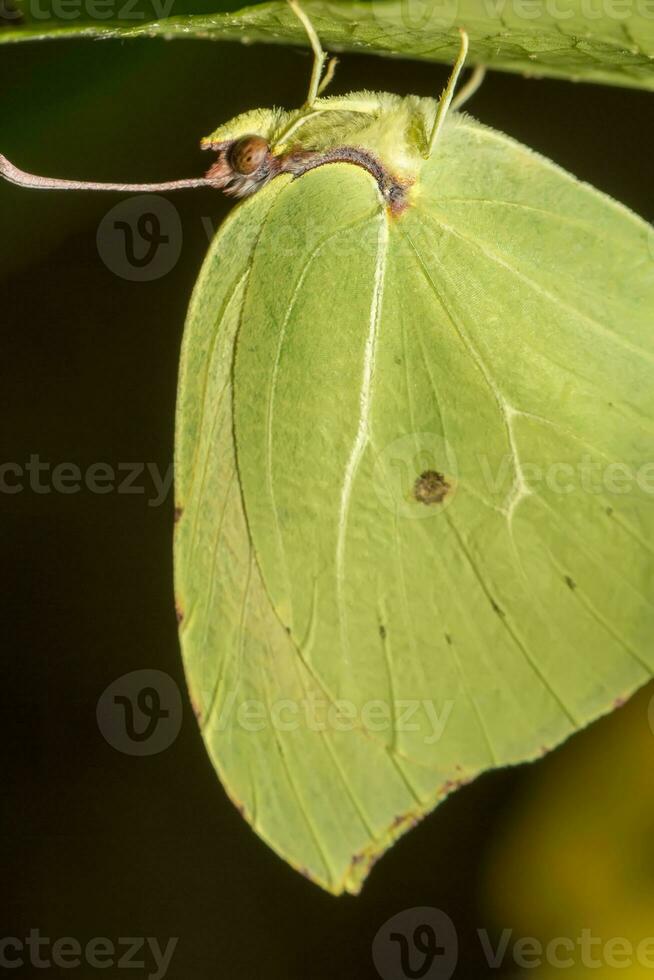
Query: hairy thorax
[384, 134]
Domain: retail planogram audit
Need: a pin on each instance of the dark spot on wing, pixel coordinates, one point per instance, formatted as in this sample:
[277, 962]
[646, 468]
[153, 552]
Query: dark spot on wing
[609, 511]
[177, 513]
[496, 608]
[430, 487]
[448, 639]
[179, 612]
[382, 631]
[570, 582]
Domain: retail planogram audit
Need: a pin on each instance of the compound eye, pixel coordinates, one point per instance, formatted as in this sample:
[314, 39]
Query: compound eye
[248, 154]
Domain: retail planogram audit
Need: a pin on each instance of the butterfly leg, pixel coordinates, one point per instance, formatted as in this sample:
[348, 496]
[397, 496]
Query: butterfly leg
[469, 88]
[448, 93]
[319, 56]
[329, 74]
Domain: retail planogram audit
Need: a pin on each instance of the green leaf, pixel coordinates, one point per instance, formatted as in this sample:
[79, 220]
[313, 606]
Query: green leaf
[414, 478]
[588, 40]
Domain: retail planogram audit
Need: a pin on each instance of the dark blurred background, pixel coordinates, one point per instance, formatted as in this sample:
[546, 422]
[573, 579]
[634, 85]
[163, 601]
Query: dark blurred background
[99, 843]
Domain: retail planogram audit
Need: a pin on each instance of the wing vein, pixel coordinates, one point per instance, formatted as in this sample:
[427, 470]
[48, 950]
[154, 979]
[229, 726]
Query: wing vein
[536, 287]
[363, 427]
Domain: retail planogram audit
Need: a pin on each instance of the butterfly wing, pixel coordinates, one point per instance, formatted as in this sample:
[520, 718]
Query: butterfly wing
[392, 572]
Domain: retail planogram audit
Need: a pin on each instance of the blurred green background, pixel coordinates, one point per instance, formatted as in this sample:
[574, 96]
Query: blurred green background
[101, 844]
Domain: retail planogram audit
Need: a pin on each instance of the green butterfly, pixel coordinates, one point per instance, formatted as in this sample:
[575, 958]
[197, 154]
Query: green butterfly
[414, 469]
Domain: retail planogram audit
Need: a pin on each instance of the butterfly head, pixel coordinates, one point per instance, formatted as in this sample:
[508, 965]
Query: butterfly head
[242, 165]
[244, 158]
